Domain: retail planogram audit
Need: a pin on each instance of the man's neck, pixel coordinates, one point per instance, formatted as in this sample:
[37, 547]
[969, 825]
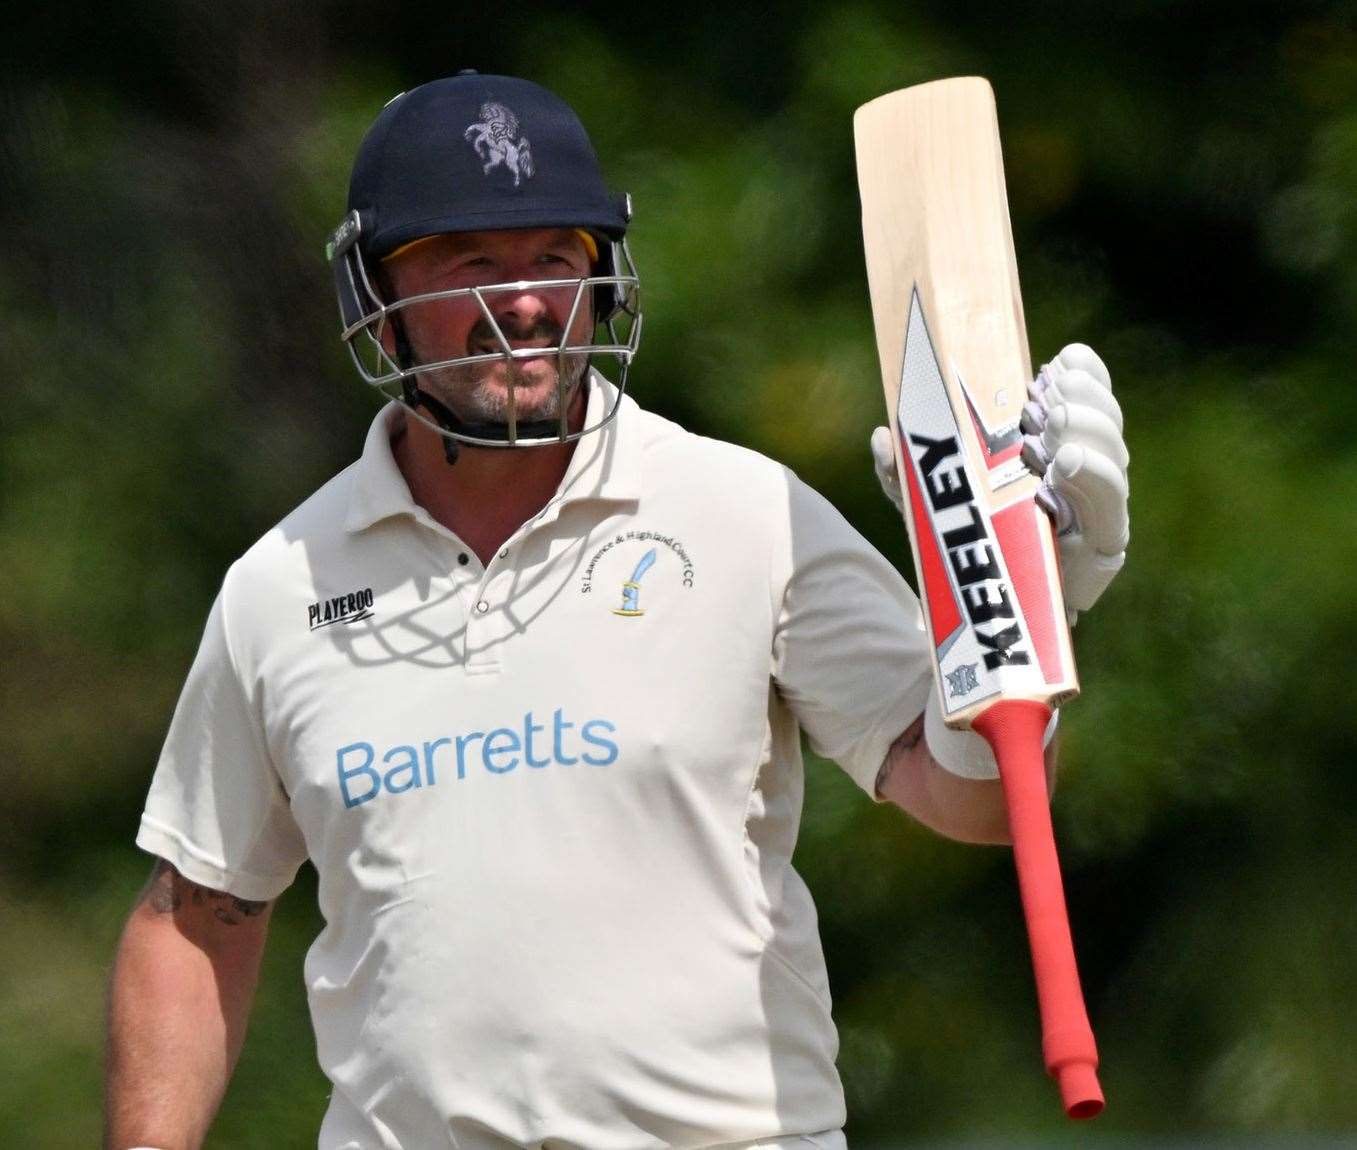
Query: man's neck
[489, 493]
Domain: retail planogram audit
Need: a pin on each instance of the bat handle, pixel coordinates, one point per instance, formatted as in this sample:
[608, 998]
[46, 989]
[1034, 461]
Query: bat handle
[1015, 728]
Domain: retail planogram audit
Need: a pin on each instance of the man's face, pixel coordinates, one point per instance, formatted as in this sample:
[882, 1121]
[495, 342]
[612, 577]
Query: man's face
[530, 317]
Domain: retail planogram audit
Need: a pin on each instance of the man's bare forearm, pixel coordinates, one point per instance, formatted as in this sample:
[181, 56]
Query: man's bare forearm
[179, 1000]
[968, 810]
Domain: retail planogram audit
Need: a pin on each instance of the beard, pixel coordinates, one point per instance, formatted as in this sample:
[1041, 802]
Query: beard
[479, 393]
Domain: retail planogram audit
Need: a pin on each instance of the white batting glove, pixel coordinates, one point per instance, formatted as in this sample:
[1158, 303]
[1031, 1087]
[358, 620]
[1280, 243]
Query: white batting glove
[887, 474]
[1073, 440]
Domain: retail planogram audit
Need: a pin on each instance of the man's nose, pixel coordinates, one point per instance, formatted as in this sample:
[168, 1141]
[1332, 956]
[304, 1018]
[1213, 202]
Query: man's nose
[523, 307]
[530, 300]
[535, 309]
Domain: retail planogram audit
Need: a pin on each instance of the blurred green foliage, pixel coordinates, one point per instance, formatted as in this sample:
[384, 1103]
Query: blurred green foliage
[1183, 181]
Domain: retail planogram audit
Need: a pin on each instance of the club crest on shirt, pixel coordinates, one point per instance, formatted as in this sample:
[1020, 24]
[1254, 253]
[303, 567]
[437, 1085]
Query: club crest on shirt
[622, 569]
[631, 588]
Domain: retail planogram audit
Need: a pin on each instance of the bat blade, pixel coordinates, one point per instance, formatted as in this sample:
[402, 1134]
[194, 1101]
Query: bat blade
[955, 368]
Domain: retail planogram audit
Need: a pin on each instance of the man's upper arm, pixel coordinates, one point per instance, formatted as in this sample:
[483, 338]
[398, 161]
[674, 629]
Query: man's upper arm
[850, 657]
[215, 920]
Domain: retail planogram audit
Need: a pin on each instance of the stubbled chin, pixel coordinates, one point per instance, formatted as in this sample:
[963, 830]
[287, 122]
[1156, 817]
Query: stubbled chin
[533, 383]
[535, 395]
[527, 373]
[481, 394]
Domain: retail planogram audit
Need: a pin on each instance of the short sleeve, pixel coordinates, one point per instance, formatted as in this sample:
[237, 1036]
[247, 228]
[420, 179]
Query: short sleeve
[850, 653]
[217, 809]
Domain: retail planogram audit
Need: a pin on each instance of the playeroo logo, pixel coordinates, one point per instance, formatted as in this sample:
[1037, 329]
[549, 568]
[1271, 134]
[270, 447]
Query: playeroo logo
[340, 609]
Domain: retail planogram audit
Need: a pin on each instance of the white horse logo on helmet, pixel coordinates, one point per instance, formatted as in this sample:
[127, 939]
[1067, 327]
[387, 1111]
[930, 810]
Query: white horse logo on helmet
[493, 138]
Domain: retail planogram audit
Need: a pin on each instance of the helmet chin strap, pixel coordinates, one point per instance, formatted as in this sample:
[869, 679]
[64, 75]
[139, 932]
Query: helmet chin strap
[414, 397]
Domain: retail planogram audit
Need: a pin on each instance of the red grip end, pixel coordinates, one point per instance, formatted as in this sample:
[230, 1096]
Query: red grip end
[1079, 1089]
[1015, 729]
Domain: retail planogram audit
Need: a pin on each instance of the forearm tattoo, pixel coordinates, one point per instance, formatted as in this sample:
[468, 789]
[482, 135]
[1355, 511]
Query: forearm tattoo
[167, 889]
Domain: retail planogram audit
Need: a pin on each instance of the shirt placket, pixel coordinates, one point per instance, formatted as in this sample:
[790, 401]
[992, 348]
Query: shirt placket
[483, 601]
[489, 620]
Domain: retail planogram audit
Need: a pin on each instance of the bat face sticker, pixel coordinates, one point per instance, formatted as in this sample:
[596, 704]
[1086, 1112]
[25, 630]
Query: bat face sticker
[975, 620]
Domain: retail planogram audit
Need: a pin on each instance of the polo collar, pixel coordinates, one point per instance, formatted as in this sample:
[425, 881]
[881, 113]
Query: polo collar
[605, 464]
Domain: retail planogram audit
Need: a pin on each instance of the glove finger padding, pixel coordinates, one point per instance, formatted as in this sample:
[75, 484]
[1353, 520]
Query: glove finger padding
[1096, 489]
[1081, 357]
[1087, 427]
[1080, 389]
[887, 474]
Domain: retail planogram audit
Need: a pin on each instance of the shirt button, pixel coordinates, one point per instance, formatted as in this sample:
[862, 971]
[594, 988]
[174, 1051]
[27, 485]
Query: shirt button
[464, 559]
[482, 606]
[503, 551]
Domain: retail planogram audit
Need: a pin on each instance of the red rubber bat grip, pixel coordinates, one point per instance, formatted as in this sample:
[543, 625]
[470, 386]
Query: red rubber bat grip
[1015, 730]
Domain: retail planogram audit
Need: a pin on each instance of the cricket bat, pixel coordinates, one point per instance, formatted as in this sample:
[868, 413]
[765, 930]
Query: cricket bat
[955, 367]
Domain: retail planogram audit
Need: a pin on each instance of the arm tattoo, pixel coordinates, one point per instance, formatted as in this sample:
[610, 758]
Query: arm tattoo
[909, 738]
[905, 742]
[166, 889]
[160, 892]
[226, 907]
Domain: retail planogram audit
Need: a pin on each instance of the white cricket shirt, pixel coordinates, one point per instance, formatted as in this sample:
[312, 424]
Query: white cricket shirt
[552, 802]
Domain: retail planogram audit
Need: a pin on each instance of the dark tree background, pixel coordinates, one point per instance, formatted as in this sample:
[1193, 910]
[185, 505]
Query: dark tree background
[1183, 180]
